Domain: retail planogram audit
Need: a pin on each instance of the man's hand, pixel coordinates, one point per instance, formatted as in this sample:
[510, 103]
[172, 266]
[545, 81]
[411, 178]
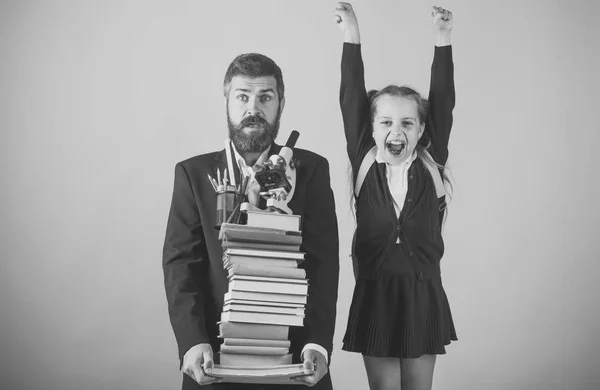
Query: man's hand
[315, 366]
[197, 362]
[346, 20]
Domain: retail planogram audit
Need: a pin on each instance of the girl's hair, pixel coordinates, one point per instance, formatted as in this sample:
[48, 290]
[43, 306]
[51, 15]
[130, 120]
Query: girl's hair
[424, 143]
[402, 91]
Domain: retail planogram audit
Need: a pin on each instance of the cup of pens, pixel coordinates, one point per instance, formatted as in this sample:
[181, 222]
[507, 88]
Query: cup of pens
[229, 198]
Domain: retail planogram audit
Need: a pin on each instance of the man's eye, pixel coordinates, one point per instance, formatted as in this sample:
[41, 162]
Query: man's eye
[242, 97]
[265, 98]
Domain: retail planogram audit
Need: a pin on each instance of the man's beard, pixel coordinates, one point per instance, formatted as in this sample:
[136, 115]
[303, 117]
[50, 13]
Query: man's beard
[256, 141]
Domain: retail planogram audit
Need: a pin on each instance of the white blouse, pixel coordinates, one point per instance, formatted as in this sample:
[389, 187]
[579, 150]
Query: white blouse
[397, 179]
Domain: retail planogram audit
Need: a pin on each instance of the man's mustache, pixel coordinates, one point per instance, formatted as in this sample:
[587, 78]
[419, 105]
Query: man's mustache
[253, 120]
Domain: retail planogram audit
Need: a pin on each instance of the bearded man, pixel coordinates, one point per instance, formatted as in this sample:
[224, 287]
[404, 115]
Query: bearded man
[195, 280]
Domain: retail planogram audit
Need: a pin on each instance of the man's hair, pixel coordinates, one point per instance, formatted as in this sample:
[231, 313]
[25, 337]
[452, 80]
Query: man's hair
[254, 65]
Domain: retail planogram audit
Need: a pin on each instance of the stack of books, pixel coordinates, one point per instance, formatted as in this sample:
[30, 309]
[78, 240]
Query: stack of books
[267, 294]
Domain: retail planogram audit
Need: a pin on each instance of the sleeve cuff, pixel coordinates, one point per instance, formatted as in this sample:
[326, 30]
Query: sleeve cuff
[447, 48]
[317, 348]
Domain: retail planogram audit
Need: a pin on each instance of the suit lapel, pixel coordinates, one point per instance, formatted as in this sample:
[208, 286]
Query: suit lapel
[221, 164]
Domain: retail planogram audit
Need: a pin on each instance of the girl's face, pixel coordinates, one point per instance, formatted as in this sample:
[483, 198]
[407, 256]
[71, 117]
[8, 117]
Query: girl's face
[396, 127]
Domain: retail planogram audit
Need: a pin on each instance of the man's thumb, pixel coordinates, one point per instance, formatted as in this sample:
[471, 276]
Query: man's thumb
[309, 365]
[208, 361]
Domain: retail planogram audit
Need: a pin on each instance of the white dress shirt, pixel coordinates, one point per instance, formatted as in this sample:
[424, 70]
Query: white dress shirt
[245, 169]
[253, 184]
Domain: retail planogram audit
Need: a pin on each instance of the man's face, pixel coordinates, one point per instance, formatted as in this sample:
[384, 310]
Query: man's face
[253, 112]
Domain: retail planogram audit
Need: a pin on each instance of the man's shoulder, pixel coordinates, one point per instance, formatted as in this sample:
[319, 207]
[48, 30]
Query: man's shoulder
[200, 160]
[308, 157]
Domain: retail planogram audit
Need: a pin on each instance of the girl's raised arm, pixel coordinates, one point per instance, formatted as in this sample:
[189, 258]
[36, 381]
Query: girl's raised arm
[353, 95]
[441, 90]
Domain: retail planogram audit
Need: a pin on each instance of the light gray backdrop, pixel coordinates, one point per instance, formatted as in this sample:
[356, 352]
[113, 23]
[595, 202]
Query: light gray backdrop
[100, 99]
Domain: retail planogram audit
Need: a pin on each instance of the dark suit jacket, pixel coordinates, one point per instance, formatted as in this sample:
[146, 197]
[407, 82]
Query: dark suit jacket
[195, 280]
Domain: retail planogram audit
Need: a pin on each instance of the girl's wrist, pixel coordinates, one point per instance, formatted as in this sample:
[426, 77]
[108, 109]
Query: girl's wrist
[443, 38]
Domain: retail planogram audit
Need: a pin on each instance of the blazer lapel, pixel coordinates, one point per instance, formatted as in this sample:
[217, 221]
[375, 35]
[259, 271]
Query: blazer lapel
[221, 164]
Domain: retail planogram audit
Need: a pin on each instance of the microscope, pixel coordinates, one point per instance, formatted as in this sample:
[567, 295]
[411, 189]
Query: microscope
[277, 178]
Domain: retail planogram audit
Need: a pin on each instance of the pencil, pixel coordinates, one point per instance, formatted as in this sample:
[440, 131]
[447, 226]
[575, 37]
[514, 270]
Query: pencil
[212, 182]
[244, 188]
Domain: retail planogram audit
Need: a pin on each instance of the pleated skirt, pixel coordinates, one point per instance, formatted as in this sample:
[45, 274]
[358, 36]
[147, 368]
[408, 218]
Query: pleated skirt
[399, 316]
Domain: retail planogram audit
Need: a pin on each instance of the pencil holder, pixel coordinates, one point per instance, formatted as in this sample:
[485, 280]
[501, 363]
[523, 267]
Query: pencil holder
[227, 201]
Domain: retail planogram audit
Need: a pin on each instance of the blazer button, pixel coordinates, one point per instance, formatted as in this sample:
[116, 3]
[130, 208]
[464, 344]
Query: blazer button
[409, 199]
[411, 254]
[410, 177]
[398, 227]
[420, 275]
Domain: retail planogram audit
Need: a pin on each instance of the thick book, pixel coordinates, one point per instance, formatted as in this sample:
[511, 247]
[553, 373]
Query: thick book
[276, 374]
[230, 375]
[273, 220]
[298, 256]
[254, 350]
[256, 342]
[265, 297]
[238, 284]
[265, 374]
[262, 318]
[259, 245]
[268, 279]
[261, 270]
[228, 261]
[264, 309]
[239, 330]
[237, 232]
[263, 303]
[236, 227]
[246, 360]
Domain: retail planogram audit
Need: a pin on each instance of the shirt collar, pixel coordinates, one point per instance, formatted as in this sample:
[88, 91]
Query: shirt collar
[242, 163]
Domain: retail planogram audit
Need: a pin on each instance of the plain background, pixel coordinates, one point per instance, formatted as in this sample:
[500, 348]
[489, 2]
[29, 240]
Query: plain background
[100, 99]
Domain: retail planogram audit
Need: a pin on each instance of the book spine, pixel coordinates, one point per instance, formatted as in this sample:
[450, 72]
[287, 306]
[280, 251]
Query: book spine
[273, 272]
[256, 342]
[238, 330]
[254, 350]
[230, 244]
[273, 220]
[231, 359]
[268, 287]
[262, 318]
[268, 254]
[265, 297]
[267, 262]
[264, 309]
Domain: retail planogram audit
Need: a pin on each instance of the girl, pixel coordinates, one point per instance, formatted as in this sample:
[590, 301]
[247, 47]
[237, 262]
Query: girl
[399, 318]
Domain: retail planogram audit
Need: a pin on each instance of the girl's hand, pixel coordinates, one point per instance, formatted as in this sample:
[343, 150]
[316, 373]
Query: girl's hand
[345, 18]
[441, 19]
